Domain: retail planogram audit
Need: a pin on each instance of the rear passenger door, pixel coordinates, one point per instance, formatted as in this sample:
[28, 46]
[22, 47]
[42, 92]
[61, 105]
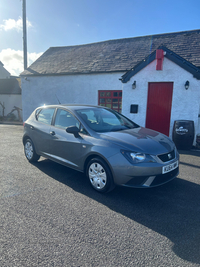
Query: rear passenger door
[65, 147]
[41, 130]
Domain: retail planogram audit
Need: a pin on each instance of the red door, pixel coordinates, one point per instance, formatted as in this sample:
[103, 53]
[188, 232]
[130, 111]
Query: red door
[159, 104]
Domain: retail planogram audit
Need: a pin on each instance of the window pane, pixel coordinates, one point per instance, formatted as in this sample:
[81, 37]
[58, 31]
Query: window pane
[112, 121]
[120, 94]
[65, 119]
[102, 100]
[46, 115]
[108, 100]
[108, 93]
[88, 115]
[108, 105]
[115, 94]
[115, 105]
[115, 100]
[102, 94]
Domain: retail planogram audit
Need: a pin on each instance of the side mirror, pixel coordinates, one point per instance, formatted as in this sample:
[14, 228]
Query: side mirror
[73, 130]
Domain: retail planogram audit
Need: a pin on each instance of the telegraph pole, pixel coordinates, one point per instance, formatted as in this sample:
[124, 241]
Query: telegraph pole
[24, 33]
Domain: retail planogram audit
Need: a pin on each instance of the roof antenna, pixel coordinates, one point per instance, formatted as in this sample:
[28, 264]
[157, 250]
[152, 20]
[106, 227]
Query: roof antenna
[57, 99]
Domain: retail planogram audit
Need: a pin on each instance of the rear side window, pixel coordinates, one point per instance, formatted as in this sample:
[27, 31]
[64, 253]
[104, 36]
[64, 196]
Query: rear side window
[45, 115]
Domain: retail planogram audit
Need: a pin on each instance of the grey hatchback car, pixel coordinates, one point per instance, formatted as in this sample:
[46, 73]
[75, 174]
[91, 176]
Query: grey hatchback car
[108, 147]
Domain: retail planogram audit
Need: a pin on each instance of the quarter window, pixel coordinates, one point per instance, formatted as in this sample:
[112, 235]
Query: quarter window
[45, 115]
[111, 99]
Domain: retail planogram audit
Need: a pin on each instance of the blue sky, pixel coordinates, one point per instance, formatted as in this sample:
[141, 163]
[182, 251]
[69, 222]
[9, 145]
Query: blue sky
[73, 22]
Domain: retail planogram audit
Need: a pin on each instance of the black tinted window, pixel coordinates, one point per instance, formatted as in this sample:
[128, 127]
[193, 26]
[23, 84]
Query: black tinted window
[45, 115]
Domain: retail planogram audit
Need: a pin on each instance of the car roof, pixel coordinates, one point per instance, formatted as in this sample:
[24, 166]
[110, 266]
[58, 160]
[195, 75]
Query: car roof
[71, 106]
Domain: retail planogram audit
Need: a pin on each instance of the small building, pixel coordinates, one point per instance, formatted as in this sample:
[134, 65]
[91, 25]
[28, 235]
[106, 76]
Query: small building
[10, 95]
[4, 74]
[153, 80]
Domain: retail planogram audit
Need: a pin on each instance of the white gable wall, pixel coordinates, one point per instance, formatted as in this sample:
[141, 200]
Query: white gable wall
[185, 103]
[79, 89]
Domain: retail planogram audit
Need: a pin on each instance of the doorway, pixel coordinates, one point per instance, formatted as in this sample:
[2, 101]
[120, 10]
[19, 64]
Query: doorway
[159, 104]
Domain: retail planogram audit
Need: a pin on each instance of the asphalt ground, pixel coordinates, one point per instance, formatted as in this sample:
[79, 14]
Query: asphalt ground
[50, 216]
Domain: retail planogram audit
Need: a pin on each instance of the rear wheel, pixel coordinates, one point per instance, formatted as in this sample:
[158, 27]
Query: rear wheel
[29, 151]
[99, 175]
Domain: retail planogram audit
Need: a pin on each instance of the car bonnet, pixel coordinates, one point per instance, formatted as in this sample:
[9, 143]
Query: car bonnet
[140, 140]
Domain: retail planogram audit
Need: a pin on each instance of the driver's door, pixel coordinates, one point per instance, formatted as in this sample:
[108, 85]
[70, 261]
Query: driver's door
[65, 147]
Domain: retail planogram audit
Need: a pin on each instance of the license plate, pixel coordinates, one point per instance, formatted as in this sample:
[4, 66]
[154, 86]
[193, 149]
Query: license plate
[170, 167]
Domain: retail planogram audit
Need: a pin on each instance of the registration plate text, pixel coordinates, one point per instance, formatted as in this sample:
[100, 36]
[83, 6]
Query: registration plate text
[170, 167]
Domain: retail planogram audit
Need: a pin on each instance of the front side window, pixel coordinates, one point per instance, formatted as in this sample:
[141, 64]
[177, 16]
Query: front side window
[65, 119]
[45, 115]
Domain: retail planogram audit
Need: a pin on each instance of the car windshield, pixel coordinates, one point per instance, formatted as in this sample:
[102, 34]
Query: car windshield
[104, 120]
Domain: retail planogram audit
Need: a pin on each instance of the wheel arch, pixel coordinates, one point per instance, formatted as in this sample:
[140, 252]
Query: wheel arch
[25, 137]
[99, 156]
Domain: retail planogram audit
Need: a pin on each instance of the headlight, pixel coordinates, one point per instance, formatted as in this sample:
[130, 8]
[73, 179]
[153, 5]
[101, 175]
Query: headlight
[136, 157]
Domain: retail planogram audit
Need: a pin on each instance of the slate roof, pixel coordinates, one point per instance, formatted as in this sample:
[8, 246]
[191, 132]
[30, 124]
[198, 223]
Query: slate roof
[10, 86]
[114, 55]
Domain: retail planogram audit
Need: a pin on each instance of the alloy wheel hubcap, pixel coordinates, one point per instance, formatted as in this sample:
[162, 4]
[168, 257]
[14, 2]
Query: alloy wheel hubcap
[29, 150]
[97, 176]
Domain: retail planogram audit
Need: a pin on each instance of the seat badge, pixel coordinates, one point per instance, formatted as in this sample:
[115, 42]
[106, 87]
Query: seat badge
[169, 156]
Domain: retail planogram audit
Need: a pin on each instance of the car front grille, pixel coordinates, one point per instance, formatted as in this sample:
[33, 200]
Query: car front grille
[164, 178]
[139, 181]
[167, 157]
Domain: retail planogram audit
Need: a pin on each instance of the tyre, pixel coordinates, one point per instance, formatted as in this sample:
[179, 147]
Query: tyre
[29, 151]
[99, 175]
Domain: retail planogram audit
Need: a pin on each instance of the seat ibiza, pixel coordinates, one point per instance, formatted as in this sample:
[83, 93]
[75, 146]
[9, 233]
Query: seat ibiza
[108, 147]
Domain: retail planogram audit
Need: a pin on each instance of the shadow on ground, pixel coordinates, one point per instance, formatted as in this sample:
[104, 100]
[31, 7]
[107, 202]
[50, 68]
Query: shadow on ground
[172, 210]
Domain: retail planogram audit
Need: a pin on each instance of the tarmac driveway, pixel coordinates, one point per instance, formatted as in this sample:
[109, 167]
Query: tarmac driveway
[50, 216]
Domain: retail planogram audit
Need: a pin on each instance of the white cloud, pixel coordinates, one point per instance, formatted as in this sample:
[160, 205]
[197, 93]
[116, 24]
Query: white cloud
[11, 24]
[13, 60]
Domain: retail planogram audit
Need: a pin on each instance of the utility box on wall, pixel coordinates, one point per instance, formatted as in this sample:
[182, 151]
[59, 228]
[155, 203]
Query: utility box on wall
[134, 109]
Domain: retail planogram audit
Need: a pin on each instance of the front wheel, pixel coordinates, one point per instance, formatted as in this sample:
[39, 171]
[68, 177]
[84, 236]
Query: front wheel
[29, 151]
[99, 175]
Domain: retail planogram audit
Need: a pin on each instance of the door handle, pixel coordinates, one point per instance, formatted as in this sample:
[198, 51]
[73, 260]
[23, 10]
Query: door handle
[52, 133]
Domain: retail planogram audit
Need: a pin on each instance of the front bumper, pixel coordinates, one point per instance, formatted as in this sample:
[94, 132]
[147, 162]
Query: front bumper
[152, 181]
[141, 175]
